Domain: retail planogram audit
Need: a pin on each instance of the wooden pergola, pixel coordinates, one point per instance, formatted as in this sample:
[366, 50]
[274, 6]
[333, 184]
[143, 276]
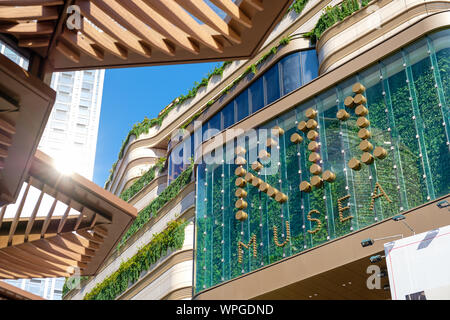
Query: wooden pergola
[123, 33]
[35, 243]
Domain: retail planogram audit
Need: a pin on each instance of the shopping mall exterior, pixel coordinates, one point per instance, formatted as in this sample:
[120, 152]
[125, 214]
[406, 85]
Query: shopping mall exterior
[290, 160]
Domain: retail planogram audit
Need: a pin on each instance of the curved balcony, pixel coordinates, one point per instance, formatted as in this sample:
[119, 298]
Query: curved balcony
[134, 165]
[368, 27]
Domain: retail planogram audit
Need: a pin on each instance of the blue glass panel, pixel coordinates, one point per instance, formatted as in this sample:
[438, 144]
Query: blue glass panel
[290, 70]
[228, 115]
[257, 95]
[242, 105]
[310, 66]
[272, 84]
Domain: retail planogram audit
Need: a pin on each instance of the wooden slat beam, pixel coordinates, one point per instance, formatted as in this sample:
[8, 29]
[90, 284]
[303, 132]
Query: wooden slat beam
[233, 11]
[63, 220]
[61, 252]
[104, 40]
[256, 4]
[80, 218]
[119, 13]
[68, 52]
[11, 263]
[67, 245]
[48, 217]
[4, 268]
[6, 275]
[179, 17]
[103, 21]
[2, 214]
[5, 141]
[158, 22]
[33, 216]
[28, 28]
[100, 230]
[91, 237]
[28, 13]
[13, 227]
[80, 241]
[48, 256]
[31, 2]
[34, 42]
[205, 13]
[83, 43]
[6, 126]
[33, 261]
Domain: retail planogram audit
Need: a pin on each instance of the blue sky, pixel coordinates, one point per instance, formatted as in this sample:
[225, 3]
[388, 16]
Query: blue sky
[131, 94]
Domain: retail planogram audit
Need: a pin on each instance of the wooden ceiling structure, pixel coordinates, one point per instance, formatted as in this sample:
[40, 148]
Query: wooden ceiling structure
[38, 244]
[124, 33]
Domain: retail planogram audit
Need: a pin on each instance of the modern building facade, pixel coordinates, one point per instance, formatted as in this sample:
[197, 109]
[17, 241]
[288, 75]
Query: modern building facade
[298, 155]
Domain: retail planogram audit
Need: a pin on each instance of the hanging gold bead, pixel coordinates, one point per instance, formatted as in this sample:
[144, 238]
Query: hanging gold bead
[281, 197]
[264, 186]
[367, 158]
[240, 182]
[296, 138]
[315, 169]
[358, 88]
[240, 172]
[277, 131]
[380, 153]
[362, 122]
[360, 99]
[270, 143]
[241, 204]
[240, 193]
[365, 145]
[342, 115]
[314, 157]
[241, 215]
[354, 164]
[249, 177]
[311, 113]
[313, 146]
[349, 102]
[329, 176]
[316, 181]
[312, 135]
[302, 126]
[364, 134]
[272, 192]
[305, 186]
[240, 161]
[361, 111]
[311, 124]
[256, 166]
[240, 151]
[256, 182]
[264, 155]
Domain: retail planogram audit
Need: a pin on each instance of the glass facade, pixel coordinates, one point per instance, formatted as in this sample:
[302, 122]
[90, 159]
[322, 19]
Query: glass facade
[288, 74]
[407, 113]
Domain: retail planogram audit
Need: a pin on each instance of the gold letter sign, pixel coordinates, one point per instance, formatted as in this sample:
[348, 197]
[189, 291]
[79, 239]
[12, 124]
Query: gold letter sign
[377, 195]
[342, 209]
[241, 244]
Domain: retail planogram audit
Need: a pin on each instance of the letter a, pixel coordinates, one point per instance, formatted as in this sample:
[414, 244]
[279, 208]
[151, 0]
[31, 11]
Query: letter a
[377, 195]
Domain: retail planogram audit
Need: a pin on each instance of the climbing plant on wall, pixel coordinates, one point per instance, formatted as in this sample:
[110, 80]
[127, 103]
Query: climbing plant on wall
[172, 238]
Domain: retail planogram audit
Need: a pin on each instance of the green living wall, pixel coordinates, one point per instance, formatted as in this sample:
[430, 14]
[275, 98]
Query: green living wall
[408, 108]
